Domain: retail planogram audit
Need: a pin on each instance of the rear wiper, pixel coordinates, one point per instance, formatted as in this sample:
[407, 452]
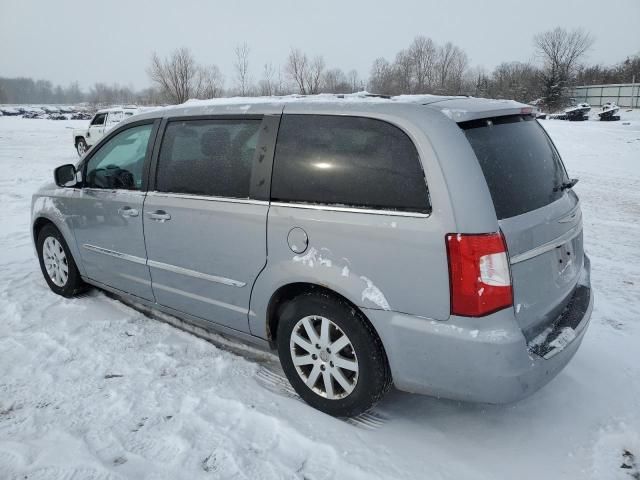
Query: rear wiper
[566, 185]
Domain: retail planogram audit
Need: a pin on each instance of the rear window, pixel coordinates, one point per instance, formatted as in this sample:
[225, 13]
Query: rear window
[521, 166]
[347, 161]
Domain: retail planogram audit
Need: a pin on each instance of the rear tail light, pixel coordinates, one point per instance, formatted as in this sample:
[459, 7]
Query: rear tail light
[478, 273]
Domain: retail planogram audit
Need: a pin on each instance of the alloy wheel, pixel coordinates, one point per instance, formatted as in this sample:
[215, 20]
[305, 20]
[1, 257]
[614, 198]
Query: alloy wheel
[324, 357]
[55, 261]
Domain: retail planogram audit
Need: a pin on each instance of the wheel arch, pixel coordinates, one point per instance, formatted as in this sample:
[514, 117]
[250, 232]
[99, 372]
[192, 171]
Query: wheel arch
[42, 220]
[288, 292]
[38, 224]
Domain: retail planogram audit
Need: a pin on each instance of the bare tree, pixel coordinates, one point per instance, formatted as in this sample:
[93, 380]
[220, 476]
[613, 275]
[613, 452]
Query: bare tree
[381, 77]
[267, 85]
[210, 82]
[354, 81]
[514, 80]
[241, 66]
[335, 81]
[177, 76]
[403, 72]
[451, 66]
[314, 75]
[297, 66]
[560, 51]
[423, 54]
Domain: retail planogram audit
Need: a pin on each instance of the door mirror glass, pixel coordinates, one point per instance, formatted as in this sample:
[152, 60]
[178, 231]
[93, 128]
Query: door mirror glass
[65, 175]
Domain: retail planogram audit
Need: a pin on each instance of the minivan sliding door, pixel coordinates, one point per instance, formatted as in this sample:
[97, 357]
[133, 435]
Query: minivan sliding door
[205, 221]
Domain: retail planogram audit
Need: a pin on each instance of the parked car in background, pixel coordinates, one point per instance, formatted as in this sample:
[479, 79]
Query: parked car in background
[35, 115]
[435, 244]
[103, 121]
[50, 109]
[10, 111]
[81, 116]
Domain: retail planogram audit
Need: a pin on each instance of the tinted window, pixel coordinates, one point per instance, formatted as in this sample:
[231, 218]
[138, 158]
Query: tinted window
[119, 163]
[208, 157]
[99, 119]
[348, 161]
[521, 166]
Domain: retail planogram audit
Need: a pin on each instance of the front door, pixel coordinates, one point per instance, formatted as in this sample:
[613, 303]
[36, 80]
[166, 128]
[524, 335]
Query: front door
[108, 224]
[205, 229]
[96, 128]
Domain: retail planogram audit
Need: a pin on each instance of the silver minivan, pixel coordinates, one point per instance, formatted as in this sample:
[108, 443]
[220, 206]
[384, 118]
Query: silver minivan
[431, 243]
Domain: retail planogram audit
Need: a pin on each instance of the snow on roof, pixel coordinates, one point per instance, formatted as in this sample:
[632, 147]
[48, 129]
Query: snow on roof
[453, 101]
[458, 108]
[321, 97]
[116, 109]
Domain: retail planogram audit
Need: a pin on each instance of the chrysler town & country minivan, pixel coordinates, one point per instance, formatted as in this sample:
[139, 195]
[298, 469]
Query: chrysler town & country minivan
[434, 243]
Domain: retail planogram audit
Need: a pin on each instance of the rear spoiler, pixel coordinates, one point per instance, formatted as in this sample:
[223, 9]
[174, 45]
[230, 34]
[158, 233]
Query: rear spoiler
[463, 110]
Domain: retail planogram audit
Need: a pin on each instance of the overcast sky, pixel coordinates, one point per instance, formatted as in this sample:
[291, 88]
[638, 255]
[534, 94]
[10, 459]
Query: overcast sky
[112, 40]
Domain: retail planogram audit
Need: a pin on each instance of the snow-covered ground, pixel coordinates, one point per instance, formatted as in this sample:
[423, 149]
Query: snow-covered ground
[90, 388]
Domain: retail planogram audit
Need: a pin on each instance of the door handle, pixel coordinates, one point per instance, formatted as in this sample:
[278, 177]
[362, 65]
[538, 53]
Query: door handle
[159, 216]
[128, 212]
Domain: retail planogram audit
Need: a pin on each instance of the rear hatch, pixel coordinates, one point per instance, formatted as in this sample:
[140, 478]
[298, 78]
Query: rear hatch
[537, 211]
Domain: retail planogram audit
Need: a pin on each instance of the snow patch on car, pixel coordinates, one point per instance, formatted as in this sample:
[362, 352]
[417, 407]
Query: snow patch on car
[374, 294]
[313, 258]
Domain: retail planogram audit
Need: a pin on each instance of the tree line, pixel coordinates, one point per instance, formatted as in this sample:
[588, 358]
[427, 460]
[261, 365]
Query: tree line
[423, 67]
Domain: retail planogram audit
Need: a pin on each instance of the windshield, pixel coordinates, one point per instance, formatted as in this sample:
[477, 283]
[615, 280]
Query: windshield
[521, 166]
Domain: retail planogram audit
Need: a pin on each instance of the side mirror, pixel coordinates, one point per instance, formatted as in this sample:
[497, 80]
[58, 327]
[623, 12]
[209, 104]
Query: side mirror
[65, 175]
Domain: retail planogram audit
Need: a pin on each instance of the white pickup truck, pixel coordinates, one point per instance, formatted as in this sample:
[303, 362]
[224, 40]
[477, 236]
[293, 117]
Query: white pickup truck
[103, 121]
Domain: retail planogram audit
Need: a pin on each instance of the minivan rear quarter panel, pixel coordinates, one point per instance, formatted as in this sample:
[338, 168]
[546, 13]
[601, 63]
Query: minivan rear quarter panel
[384, 260]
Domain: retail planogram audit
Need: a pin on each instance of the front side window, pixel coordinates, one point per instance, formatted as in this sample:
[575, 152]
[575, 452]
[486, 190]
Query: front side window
[208, 157]
[99, 119]
[119, 163]
[347, 161]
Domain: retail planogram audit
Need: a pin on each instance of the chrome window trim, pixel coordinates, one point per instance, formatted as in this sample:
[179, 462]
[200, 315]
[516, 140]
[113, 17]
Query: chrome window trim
[139, 193]
[210, 198]
[248, 201]
[193, 273]
[331, 208]
[546, 247]
[113, 253]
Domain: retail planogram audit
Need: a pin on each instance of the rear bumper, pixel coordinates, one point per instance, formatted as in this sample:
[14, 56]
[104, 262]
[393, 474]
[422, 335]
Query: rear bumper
[480, 360]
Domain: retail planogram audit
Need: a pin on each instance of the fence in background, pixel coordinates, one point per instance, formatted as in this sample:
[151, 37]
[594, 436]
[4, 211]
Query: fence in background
[623, 94]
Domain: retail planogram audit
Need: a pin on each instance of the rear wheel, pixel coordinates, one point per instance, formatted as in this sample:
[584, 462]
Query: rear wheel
[81, 146]
[57, 264]
[331, 354]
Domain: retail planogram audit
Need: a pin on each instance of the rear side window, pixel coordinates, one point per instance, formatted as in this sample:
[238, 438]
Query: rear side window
[347, 161]
[521, 166]
[208, 157]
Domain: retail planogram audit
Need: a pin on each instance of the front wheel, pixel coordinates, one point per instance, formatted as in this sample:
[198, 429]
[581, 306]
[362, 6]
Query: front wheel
[81, 147]
[57, 264]
[331, 354]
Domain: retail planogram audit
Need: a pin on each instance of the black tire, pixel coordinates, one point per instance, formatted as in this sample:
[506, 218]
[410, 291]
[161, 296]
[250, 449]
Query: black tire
[81, 146]
[373, 377]
[74, 283]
